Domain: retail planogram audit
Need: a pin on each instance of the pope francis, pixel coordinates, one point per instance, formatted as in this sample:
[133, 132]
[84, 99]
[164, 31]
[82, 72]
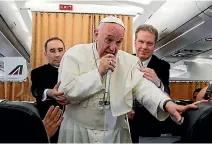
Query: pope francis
[92, 115]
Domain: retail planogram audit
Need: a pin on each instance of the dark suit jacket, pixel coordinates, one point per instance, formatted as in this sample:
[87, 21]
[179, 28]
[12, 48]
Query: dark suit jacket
[144, 124]
[161, 68]
[44, 77]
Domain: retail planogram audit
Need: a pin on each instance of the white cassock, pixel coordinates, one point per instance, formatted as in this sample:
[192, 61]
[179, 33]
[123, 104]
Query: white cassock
[84, 88]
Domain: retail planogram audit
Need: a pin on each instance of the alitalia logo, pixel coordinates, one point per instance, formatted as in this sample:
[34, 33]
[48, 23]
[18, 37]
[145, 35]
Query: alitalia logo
[17, 70]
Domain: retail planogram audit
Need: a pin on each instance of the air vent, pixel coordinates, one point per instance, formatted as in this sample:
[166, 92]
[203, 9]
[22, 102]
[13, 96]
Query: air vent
[186, 53]
[189, 51]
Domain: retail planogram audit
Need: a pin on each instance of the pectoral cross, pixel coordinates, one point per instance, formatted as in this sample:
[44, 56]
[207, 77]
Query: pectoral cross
[104, 104]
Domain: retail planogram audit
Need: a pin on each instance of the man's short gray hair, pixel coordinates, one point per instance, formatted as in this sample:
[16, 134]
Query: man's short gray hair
[148, 28]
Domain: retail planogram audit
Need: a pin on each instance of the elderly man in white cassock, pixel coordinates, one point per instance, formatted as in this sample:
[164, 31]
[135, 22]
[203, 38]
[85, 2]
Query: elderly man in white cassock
[94, 114]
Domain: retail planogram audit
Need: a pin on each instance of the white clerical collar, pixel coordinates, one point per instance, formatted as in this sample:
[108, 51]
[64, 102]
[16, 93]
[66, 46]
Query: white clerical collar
[146, 62]
[54, 66]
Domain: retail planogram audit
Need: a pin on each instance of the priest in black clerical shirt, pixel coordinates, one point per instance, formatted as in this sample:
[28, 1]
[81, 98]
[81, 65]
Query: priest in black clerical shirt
[44, 80]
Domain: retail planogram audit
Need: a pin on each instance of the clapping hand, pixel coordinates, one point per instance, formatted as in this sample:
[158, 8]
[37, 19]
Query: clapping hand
[52, 120]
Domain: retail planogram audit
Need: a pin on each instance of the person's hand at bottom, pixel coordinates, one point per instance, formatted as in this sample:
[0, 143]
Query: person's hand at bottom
[52, 120]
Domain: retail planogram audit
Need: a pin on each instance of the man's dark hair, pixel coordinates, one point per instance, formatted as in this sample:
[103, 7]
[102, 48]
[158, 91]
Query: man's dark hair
[197, 90]
[51, 39]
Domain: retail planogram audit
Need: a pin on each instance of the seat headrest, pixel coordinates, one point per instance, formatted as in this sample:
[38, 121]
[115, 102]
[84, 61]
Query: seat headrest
[197, 125]
[21, 123]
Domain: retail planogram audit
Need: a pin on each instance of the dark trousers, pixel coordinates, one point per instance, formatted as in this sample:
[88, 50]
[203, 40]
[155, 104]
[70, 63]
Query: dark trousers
[134, 132]
[144, 124]
[54, 138]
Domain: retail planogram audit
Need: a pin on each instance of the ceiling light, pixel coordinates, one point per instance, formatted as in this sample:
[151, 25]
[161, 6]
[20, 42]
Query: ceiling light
[202, 61]
[181, 67]
[35, 5]
[32, 3]
[176, 73]
[208, 39]
[141, 1]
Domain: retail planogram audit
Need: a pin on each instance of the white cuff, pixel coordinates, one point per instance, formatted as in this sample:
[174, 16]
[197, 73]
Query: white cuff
[162, 102]
[44, 95]
[158, 83]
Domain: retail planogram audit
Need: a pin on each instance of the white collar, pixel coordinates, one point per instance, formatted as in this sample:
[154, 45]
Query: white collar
[54, 66]
[146, 62]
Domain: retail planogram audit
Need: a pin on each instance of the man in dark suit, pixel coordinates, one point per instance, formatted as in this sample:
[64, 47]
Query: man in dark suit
[44, 80]
[142, 123]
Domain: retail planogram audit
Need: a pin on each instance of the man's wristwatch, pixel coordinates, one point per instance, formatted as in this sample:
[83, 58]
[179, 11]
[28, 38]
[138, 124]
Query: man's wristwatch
[164, 104]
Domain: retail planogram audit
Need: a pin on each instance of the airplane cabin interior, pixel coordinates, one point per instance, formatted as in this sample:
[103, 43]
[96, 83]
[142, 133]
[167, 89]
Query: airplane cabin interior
[184, 42]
